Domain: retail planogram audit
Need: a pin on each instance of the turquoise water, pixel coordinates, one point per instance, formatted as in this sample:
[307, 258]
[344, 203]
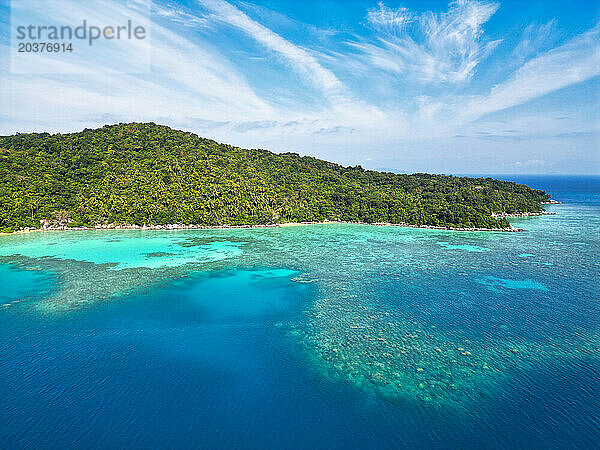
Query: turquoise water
[324, 336]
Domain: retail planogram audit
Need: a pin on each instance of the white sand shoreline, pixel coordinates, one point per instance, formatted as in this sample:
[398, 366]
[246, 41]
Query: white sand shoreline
[174, 227]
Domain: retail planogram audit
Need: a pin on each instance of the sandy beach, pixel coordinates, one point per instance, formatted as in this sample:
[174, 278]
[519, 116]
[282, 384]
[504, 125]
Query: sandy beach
[174, 227]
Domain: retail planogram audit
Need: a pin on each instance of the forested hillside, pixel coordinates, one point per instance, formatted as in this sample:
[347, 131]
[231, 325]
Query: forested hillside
[143, 173]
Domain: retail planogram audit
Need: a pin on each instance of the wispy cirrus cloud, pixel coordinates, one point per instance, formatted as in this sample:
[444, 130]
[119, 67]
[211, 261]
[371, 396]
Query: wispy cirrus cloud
[186, 79]
[341, 101]
[392, 20]
[535, 39]
[430, 47]
[301, 60]
[174, 13]
[573, 62]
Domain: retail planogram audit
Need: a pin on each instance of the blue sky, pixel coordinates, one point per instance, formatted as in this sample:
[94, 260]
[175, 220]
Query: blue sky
[437, 86]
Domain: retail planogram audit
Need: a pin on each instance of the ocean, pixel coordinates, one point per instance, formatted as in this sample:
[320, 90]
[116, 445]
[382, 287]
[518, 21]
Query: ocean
[320, 336]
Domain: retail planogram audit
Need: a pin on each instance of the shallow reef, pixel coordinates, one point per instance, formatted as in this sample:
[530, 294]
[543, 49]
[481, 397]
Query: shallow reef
[385, 352]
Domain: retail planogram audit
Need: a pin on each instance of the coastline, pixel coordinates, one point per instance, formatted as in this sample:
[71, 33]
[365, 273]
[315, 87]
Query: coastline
[526, 214]
[175, 227]
[179, 226]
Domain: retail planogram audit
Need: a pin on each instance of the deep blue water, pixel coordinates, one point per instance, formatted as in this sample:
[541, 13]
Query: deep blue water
[572, 188]
[332, 336]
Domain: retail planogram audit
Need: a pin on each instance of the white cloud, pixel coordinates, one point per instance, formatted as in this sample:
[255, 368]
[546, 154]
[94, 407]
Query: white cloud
[341, 101]
[174, 13]
[430, 47]
[390, 19]
[573, 62]
[187, 79]
[535, 38]
[301, 60]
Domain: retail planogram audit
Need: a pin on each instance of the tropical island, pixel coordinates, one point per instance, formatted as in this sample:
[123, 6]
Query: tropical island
[144, 174]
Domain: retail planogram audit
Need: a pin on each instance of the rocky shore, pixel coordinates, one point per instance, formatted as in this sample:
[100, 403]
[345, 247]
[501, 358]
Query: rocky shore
[525, 214]
[431, 227]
